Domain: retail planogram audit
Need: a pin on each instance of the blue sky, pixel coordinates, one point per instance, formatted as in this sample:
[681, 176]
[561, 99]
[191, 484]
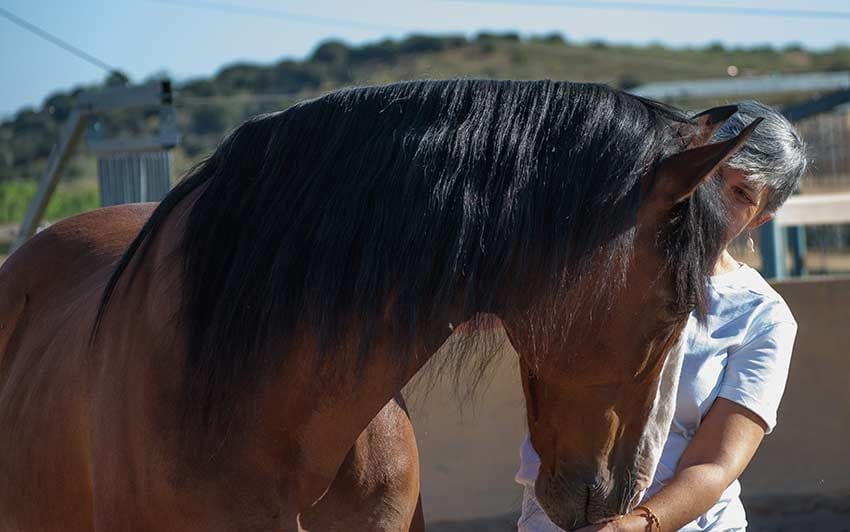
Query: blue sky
[188, 38]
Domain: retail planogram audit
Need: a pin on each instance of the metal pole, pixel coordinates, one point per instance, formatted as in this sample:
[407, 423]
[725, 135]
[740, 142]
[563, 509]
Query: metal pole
[59, 157]
[772, 244]
[87, 104]
[797, 241]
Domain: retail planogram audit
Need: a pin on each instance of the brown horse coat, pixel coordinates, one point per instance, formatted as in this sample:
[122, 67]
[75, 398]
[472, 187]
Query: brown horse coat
[318, 258]
[70, 458]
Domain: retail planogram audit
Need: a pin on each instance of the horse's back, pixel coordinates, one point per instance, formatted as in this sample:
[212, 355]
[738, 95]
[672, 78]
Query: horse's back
[73, 247]
[49, 291]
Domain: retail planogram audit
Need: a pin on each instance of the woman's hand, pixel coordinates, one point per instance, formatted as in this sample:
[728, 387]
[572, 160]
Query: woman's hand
[727, 438]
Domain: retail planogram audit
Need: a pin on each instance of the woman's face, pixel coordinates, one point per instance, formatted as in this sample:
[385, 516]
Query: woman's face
[745, 201]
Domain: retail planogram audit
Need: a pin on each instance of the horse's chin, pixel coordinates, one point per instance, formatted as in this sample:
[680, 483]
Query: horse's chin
[637, 498]
[635, 501]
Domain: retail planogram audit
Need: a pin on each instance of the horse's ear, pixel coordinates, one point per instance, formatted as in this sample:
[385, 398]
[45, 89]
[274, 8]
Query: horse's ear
[708, 122]
[679, 175]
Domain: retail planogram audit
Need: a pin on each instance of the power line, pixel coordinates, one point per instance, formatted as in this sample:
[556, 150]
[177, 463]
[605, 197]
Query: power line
[279, 14]
[68, 47]
[665, 7]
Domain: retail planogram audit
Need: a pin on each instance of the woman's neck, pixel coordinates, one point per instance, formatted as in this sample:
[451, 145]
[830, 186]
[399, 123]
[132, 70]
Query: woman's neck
[726, 263]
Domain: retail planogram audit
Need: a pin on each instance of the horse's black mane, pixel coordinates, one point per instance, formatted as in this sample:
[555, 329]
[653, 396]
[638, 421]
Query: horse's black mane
[412, 197]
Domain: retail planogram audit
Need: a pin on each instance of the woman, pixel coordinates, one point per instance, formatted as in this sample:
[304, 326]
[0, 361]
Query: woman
[734, 369]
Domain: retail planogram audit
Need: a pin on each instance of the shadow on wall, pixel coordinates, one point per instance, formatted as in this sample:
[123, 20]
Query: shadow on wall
[765, 514]
[502, 523]
[469, 447]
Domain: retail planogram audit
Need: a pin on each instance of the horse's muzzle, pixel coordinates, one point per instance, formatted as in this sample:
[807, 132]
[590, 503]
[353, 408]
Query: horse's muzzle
[574, 503]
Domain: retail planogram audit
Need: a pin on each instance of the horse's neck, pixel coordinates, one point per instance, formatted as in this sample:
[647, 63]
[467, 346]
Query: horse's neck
[304, 418]
[324, 411]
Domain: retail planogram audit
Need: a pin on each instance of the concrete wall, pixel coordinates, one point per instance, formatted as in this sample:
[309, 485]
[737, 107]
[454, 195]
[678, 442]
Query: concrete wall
[468, 449]
[469, 457]
[809, 450]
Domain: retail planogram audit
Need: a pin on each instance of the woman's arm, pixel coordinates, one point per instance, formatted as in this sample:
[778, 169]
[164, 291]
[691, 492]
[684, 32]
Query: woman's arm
[730, 432]
[722, 447]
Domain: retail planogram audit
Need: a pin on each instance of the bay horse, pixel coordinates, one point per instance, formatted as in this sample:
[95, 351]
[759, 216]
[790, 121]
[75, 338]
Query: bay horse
[235, 366]
[373, 490]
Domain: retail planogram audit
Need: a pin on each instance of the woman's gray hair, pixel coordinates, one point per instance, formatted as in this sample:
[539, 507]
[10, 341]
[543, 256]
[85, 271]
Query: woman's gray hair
[774, 156]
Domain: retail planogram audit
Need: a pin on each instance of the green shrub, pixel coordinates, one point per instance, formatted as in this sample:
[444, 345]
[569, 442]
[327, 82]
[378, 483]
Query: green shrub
[72, 200]
[16, 195]
[14, 198]
[332, 51]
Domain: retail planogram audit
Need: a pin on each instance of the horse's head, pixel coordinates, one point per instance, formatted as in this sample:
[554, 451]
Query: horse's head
[600, 398]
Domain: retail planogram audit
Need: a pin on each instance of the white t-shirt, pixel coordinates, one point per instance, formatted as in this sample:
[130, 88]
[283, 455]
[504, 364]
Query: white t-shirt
[743, 355]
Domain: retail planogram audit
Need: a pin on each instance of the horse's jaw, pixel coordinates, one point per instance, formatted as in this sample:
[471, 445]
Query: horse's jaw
[657, 428]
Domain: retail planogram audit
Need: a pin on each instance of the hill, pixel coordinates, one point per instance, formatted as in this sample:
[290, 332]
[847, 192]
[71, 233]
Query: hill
[209, 107]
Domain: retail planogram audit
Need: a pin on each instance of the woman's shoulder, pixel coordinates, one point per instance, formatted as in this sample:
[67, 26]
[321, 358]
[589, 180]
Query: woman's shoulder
[743, 294]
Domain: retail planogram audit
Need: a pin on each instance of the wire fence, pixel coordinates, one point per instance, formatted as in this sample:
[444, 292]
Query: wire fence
[828, 139]
[826, 248]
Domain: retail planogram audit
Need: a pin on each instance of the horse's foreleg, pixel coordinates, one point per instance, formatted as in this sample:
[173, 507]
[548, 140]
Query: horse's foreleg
[377, 486]
[418, 522]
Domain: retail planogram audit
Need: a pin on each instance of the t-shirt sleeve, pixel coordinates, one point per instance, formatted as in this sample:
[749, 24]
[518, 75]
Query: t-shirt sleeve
[756, 372]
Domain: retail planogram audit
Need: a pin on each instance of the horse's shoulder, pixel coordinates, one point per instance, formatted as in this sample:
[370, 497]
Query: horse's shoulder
[67, 253]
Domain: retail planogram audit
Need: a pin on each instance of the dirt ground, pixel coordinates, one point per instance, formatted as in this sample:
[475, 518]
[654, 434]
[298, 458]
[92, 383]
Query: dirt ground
[765, 514]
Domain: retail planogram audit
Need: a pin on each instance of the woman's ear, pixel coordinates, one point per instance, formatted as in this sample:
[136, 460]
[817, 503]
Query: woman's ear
[760, 220]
